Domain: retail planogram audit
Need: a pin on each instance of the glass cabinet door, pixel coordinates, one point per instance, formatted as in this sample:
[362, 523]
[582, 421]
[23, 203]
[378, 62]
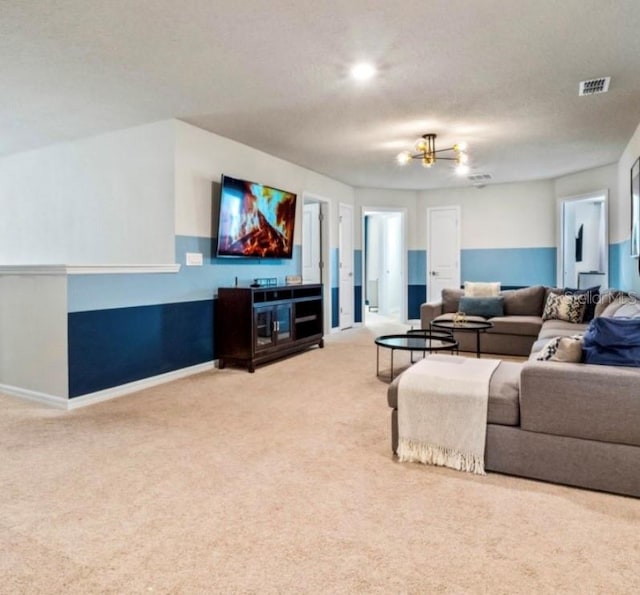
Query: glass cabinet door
[264, 327]
[283, 323]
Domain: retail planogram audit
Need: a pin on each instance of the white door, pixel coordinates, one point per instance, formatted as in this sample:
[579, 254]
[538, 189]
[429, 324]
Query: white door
[345, 265]
[443, 252]
[311, 272]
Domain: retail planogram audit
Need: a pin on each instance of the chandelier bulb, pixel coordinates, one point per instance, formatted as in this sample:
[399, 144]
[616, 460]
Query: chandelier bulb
[403, 158]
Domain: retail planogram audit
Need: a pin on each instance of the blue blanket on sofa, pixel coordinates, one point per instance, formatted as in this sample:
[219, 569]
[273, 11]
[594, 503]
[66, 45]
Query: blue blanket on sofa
[612, 342]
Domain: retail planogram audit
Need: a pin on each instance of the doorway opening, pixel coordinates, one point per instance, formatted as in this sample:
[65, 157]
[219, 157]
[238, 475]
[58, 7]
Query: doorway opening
[384, 257]
[583, 255]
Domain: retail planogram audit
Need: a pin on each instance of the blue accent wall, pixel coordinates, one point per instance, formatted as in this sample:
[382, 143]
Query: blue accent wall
[96, 292]
[357, 303]
[417, 264]
[417, 295]
[616, 252]
[335, 263]
[417, 282]
[111, 347]
[126, 327]
[510, 266]
[623, 270]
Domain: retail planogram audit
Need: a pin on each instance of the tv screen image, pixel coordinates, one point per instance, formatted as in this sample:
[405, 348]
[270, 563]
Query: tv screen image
[255, 220]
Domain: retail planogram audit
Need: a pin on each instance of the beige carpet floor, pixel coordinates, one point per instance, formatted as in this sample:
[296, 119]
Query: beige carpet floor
[282, 481]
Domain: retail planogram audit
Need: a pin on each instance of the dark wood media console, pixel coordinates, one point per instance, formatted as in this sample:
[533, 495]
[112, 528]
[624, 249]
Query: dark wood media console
[259, 324]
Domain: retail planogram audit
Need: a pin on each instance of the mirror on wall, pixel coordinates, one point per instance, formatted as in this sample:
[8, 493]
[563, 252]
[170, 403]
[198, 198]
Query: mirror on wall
[584, 243]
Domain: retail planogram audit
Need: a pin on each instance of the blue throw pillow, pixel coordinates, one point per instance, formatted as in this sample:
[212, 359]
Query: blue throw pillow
[612, 342]
[488, 307]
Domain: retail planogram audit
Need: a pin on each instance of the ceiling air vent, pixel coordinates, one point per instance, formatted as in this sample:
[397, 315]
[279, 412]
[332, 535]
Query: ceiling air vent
[594, 86]
[479, 180]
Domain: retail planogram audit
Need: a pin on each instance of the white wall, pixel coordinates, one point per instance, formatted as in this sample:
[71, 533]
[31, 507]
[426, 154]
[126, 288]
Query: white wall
[520, 215]
[592, 180]
[621, 229]
[392, 199]
[102, 200]
[33, 337]
[202, 158]
[587, 182]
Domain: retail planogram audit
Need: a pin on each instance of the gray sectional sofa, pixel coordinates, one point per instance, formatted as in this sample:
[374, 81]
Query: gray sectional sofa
[512, 334]
[569, 423]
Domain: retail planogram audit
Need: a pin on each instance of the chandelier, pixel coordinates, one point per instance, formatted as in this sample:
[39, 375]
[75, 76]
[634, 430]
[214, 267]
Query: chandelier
[428, 154]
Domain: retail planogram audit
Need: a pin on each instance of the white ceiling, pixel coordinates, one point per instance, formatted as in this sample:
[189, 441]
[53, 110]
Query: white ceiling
[500, 74]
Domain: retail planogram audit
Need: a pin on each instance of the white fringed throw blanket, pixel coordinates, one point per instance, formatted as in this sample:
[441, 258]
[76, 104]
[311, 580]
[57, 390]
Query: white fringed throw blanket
[442, 411]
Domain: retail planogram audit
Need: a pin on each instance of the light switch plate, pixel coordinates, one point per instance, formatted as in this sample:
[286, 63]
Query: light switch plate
[194, 259]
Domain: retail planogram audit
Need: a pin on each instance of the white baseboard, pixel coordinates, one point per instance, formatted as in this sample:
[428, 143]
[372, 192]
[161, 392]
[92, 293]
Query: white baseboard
[33, 395]
[132, 387]
[107, 394]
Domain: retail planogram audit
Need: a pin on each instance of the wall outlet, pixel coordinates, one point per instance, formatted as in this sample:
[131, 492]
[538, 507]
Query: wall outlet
[194, 259]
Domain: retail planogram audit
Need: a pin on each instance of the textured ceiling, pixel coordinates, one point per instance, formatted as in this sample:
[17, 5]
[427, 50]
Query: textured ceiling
[500, 74]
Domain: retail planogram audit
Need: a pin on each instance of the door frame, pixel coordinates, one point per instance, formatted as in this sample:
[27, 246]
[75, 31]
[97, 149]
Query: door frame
[325, 253]
[340, 257]
[458, 241]
[404, 255]
[560, 232]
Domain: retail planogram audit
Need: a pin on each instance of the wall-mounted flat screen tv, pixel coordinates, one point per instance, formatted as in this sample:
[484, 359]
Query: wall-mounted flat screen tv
[255, 221]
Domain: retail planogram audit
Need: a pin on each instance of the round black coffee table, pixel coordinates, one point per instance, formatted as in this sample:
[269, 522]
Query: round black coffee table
[472, 326]
[424, 341]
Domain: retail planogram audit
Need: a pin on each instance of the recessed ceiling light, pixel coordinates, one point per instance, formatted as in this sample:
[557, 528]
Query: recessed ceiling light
[363, 71]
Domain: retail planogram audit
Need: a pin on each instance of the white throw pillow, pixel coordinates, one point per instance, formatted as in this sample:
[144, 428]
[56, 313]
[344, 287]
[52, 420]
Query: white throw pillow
[562, 349]
[476, 289]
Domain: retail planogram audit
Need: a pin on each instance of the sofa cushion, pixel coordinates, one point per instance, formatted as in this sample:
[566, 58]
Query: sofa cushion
[581, 401]
[565, 307]
[504, 391]
[452, 315]
[504, 387]
[481, 289]
[482, 306]
[528, 301]
[560, 328]
[450, 300]
[516, 325]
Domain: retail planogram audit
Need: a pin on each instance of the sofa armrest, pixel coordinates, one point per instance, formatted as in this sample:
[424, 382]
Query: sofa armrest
[581, 400]
[428, 312]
